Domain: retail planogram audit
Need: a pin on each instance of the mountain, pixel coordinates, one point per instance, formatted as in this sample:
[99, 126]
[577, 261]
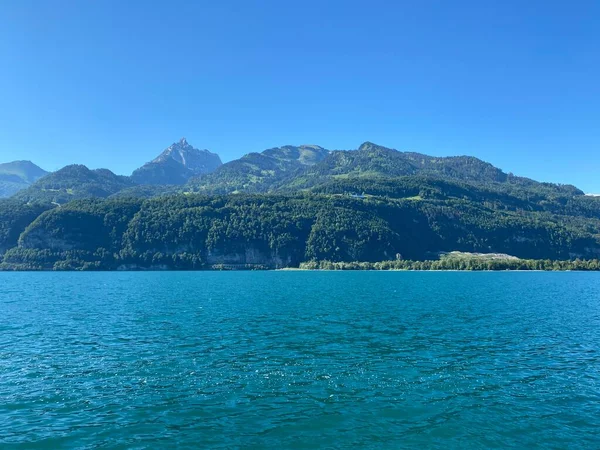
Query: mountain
[292, 169]
[380, 171]
[176, 165]
[74, 182]
[199, 231]
[18, 175]
[258, 172]
[373, 161]
[292, 205]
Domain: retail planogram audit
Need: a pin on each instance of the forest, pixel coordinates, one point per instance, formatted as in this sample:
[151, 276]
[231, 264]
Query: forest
[292, 207]
[276, 231]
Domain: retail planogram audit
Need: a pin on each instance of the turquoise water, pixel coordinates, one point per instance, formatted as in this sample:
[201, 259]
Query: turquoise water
[300, 360]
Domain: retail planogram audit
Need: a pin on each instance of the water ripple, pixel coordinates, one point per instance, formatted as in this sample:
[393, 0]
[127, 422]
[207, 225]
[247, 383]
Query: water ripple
[300, 360]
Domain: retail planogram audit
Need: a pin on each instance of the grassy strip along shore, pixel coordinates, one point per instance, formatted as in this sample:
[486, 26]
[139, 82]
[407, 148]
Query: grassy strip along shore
[472, 264]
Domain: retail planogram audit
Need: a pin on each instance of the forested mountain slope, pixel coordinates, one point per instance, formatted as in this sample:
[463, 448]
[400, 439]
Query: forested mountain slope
[259, 172]
[290, 205]
[191, 231]
[374, 161]
[74, 182]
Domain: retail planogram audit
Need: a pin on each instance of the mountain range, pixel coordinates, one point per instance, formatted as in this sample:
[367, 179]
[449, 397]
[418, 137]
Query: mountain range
[174, 166]
[288, 205]
[185, 169]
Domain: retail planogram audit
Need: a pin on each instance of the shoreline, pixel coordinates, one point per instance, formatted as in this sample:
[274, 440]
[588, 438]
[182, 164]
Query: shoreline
[462, 263]
[291, 269]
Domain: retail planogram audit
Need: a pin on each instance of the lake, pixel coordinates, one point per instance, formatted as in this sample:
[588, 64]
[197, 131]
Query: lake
[300, 360]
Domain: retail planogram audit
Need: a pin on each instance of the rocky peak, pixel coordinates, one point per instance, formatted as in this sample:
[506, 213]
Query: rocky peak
[201, 161]
[176, 164]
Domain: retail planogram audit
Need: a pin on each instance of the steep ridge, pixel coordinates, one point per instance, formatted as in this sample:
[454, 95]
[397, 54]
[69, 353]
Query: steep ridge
[177, 164]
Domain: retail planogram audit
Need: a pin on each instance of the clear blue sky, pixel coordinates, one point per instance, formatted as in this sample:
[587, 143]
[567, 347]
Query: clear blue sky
[111, 83]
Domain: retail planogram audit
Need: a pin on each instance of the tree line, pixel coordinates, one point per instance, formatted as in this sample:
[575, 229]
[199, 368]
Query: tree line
[190, 232]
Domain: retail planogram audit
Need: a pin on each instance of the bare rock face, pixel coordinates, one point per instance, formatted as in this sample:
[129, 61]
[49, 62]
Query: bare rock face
[176, 164]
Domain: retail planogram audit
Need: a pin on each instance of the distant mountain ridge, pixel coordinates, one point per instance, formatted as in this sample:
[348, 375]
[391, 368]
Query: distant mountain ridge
[18, 175]
[372, 160]
[177, 164]
[74, 182]
[291, 169]
[287, 169]
[259, 172]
